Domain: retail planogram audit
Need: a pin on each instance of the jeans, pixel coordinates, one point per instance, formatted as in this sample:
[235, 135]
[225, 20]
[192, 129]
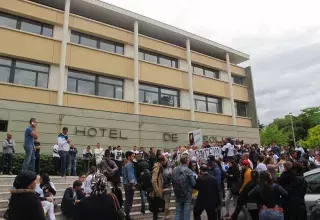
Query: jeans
[183, 208]
[86, 166]
[129, 193]
[6, 165]
[29, 160]
[56, 164]
[229, 195]
[64, 159]
[143, 200]
[49, 209]
[73, 165]
[269, 214]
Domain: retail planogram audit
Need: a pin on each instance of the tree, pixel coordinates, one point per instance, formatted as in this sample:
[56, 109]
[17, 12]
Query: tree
[313, 140]
[273, 133]
[261, 126]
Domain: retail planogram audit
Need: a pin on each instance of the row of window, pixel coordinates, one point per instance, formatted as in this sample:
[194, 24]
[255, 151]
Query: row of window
[37, 75]
[28, 25]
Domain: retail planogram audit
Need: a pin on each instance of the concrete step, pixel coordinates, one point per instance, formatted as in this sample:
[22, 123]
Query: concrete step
[9, 179]
[58, 186]
[6, 195]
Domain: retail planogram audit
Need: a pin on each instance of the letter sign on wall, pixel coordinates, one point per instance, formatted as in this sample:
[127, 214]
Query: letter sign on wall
[170, 137]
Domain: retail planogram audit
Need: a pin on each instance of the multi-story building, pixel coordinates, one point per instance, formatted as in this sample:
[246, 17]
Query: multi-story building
[116, 77]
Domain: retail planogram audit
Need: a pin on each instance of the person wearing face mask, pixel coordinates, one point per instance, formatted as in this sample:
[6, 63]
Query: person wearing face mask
[24, 202]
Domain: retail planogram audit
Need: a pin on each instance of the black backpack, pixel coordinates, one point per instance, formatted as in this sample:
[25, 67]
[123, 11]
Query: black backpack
[145, 180]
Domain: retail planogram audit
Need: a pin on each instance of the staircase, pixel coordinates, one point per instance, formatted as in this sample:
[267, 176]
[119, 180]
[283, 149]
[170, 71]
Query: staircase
[61, 183]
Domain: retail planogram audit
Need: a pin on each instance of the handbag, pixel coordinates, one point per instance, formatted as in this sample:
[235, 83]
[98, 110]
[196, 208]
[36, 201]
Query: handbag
[156, 204]
[120, 213]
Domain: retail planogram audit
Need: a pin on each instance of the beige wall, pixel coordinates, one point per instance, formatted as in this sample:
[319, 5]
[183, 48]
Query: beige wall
[29, 46]
[240, 93]
[209, 86]
[162, 75]
[213, 118]
[27, 94]
[99, 61]
[246, 122]
[103, 30]
[162, 47]
[97, 103]
[32, 11]
[164, 111]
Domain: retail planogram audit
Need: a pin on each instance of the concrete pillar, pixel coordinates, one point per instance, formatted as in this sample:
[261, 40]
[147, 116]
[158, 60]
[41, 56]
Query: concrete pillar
[231, 90]
[63, 56]
[190, 79]
[136, 68]
[252, 109]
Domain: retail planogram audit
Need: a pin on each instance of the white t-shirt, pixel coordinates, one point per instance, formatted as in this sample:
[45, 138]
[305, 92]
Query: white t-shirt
[261, 167]
[300, 149]
[275, 158]
[55, 151]
[231, 150]
[135, 152]
[118, 155]
[87, 185]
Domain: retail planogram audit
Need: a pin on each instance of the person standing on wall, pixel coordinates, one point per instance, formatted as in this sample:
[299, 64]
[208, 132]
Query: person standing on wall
[73, 152]
[98, 154]
[7, 155]
[63, 150]
[86, 158]
[118, 158]
[37, 147]
[29, 136]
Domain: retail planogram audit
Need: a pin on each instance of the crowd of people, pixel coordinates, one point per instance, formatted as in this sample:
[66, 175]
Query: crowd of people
[261, 183]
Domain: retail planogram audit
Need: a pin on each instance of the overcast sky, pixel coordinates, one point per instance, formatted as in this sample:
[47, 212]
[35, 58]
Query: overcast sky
[282, 38]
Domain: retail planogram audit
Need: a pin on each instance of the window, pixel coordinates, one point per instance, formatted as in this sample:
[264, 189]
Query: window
[158, 58]
[86, 83]
[159, 95]
[95, 42]
[313, 181]
[207, 104]
[240, 108]
[238, 80]
[204, 71]
[24, 73]
[26, 24]
[3, 126]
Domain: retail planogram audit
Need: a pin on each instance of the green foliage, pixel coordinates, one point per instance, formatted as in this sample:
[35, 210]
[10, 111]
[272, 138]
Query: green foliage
[273, 133]
[309, 117]
[313, 140]
[46, 164]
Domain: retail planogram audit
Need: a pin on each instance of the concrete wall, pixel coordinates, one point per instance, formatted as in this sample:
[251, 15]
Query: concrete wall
[135, 130]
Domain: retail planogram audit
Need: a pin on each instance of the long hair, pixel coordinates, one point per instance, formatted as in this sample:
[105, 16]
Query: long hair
[265, 184]
[190, 166]
[45, 179]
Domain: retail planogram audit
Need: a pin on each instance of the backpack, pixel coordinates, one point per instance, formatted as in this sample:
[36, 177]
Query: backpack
[145, 180]
[180, 184]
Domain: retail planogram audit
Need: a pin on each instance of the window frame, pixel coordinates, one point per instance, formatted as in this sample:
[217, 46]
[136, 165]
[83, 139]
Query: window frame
[6, 125]
[174, 61]
[13, 67]
[96, 83]
[238, 77]
[19, 21]
[203, 68]
[206, 97]
[99, 40]
[159, 94]
[244, 107]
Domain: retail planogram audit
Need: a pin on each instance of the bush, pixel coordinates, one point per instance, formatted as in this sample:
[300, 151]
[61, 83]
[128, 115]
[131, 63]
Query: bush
[46, 164]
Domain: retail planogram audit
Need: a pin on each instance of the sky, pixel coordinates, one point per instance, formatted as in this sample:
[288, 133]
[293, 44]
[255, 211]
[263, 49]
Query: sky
[281, 37]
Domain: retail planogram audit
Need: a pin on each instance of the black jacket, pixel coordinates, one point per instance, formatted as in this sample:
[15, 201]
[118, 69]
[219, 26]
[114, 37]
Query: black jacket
[208, 196]
[140, 166]
[25, 204]
[68, 202]
[96, 207]
[233, 176]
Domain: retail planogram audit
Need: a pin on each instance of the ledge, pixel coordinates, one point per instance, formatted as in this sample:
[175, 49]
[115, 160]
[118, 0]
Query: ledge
[99, 97]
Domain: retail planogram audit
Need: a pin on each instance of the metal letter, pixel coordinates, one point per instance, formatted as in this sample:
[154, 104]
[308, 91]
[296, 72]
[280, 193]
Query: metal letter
[113, 133]
[81, 131]
[92, 134]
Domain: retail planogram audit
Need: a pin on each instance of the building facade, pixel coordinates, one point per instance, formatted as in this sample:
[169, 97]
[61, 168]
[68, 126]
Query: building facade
[116, 77]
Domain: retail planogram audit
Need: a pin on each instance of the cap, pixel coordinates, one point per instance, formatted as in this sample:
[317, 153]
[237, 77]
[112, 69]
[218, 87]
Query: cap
[246, 163]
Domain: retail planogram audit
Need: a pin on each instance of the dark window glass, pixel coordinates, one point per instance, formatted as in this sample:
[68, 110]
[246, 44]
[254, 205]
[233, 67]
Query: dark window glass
[87, 41]
[30, 26]
[75, 38]
[158, 95]
[201, 70]
[3, 125]
[4, 73]
[241, 109]
[238, 80]
[157, 58]
[96, 42]
[95, 85]
[24, 73]
[8, 21]
[208, 104]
